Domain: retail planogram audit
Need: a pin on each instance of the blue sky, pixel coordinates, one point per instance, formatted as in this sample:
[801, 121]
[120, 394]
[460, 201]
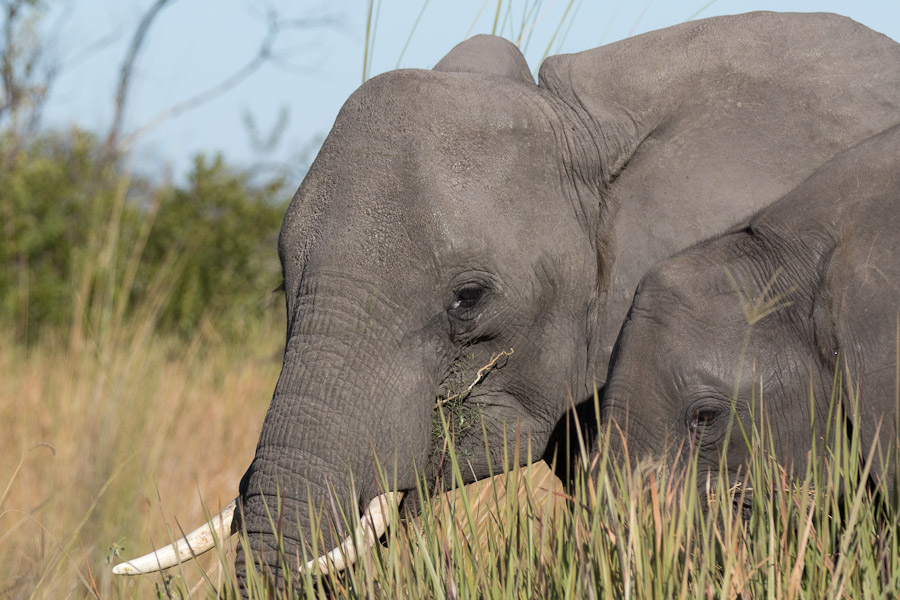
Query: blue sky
[194, 44]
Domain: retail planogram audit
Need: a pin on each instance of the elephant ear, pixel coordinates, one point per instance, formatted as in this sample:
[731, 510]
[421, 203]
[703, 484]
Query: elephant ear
[703, 124]
[857, 334]
[856, 311]
[487, 55]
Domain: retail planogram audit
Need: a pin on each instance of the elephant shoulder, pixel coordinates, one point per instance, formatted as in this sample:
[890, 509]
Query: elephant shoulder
[754, 41]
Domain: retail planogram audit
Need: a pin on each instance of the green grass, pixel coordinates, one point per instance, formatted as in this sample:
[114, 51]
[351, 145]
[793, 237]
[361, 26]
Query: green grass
[627, 535]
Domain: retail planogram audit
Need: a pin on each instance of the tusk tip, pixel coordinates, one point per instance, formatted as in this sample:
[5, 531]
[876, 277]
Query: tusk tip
[125, 568]
[372, 525]
[187, 548]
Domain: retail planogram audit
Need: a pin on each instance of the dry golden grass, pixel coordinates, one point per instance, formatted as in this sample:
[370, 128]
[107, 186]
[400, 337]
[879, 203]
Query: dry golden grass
[114, 444]
[115, 441]
[122, 439]
[532, 492]
[119, 444]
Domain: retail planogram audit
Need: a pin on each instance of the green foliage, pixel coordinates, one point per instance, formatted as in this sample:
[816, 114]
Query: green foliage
[462, 416]
[84, 245]
[221, 233]
[46, 208]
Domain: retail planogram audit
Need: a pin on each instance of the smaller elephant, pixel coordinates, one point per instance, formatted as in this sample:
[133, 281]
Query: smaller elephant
[772, 313]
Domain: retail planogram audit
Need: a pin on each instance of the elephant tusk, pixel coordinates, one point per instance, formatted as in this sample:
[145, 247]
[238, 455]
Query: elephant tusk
[371, 527]
[190, 546]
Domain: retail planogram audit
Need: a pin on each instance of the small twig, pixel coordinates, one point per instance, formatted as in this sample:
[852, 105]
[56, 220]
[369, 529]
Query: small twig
[478, 376]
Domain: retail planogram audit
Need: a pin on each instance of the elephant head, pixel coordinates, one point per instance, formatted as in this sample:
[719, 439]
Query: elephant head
[409, 261]
[755, 327]
[456, 214]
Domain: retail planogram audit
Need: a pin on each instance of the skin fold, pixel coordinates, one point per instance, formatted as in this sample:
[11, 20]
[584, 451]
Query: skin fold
[456, 213]
[825, 263]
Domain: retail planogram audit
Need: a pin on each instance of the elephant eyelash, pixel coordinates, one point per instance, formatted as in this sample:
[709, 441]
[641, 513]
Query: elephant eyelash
[279, 288]
[705, 412]
[481, 339]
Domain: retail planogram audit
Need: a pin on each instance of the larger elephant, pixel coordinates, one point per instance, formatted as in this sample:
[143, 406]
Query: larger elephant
[456, 213]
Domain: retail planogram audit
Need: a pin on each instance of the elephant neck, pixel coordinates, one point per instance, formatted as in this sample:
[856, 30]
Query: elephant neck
[597, 140]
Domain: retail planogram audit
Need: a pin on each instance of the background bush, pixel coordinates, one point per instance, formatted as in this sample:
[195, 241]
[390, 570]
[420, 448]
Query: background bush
[80, 237]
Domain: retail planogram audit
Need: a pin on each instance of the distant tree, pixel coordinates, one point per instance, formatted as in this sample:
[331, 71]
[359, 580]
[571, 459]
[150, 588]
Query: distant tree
[45, 210]
[221, 232]
[26, 74]
[212, 242]
[85, 244]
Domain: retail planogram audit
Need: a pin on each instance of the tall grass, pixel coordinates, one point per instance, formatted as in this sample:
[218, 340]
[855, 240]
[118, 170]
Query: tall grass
[118, 440]
[111, 431]
[642, 534]
[634, 534]
[138, 435]
[122, 440]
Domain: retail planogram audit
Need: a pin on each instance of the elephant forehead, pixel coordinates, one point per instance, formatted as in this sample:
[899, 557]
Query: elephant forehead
[408, 102]
[688, 316]
[690, 285]
[447, 129]
[420, 162]
[678, 343]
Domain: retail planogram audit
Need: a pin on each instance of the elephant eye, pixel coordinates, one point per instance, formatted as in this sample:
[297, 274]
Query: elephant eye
[468, 296]
[703, 417]
[466, 299]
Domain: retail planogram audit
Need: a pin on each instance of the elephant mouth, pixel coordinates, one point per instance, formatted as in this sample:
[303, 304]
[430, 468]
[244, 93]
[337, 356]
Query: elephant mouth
[738, 495]
[372, 525]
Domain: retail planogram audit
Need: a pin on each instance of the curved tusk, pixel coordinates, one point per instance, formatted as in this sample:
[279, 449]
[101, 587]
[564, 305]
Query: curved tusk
[192, 545]
[371, 527]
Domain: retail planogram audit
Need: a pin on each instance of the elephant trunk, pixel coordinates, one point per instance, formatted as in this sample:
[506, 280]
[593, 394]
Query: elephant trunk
[343, 418]
[281, 515]
[631, 447]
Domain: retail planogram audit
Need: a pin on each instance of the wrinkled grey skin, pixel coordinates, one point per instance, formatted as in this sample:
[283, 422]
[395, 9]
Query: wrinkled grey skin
[828, 255]
[458, 212]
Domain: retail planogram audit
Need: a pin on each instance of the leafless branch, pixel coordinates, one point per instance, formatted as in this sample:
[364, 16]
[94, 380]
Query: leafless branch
[263, 56]
[6, 66]
[127, 70]
[23, 87]
[222, 87]
[25, 74]
[92, 49]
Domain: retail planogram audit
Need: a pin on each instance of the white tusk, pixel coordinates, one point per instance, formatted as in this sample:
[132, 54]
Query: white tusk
[193, 544]
[371, 527]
